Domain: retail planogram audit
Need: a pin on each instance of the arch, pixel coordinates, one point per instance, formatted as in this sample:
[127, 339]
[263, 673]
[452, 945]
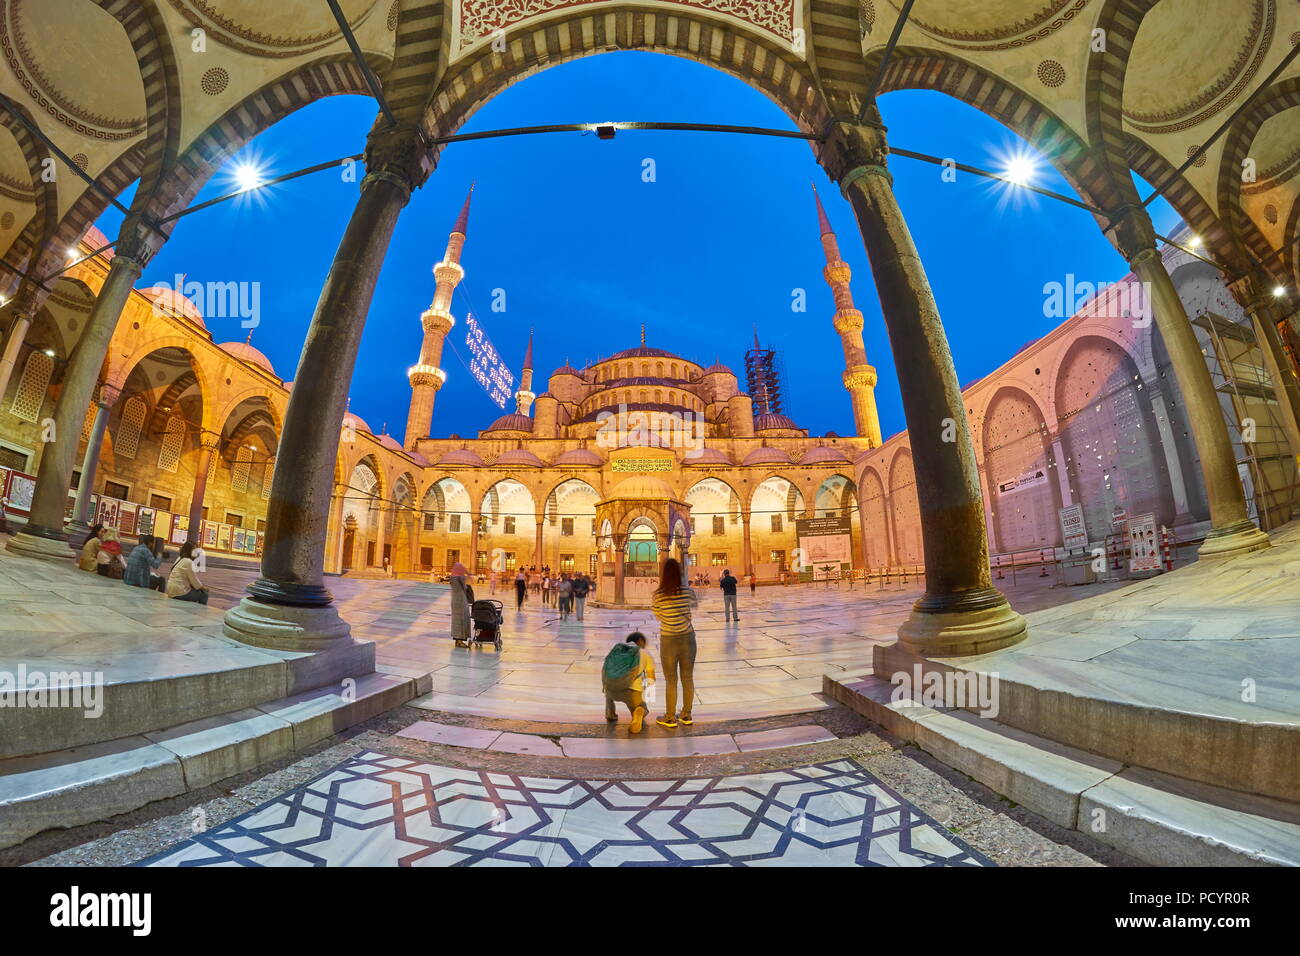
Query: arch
[535, 45]
[875, 519]
[1119, 21]
[905, 509]
[40, 228]
[787, 497]
[1023, 492]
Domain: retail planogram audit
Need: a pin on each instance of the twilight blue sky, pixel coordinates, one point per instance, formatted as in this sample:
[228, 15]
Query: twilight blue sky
[586, 251]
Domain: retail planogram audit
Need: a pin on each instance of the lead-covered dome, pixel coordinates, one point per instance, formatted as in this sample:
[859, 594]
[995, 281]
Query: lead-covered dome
[246, 353]
[514, 422]
[579, 458]
[822, 453]
[461, 457]
[767, 456]
[518, 458]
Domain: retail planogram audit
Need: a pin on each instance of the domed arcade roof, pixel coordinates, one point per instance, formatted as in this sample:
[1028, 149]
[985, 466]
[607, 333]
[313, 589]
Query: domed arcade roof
[768, 420]
[822, 453]
[706, 456]
[246, 353]
[514, 422]
[518, 458]
[767, 456]
[579, 458]
[461, 457]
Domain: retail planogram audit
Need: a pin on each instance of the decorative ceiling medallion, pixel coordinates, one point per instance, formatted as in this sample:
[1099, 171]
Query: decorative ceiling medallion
[7, 221]
[1051, 73]
[292, 34]
[479, 19]
[1191, 151]
[1270, 213]
[1046, 20]
[1227, 86]
[214, 81]
[36, 80]
[81, 160]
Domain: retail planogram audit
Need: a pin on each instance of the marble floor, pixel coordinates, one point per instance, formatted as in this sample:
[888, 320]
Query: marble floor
[377, 809]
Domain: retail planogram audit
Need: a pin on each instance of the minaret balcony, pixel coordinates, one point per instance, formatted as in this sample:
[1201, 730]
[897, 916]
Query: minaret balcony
[437, 320]
[426, 375]
[848, 320]
[859, 376]
[446, 271]
[836, 272]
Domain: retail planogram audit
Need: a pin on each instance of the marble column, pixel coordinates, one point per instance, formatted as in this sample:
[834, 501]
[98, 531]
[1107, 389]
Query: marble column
[207, 448]
[104, 401]
[334, 544]
[471, 561]
[620, 543]
[537, 543]
[381, 531]
[44, 537]
[1232, 531]
[288, 606]
[22, 321]
[749, 550]
[960, 612]
[1253, 293]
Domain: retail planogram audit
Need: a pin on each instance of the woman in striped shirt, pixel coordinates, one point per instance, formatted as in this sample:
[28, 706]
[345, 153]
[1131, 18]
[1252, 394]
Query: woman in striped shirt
[672, 604]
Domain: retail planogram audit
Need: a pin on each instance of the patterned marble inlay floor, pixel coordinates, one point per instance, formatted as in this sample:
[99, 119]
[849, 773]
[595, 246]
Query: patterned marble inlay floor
[380, 810]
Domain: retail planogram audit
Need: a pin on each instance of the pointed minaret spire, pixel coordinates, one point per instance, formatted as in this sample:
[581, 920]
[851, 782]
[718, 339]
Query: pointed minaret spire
[859, 377]
[426, 377]
[524, 397]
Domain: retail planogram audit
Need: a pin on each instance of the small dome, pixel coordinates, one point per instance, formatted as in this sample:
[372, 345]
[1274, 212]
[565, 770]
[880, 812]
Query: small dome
[94, 239]
[514, 422]
[641, 486]
[580, 458]
[644, 351]
[461, 457]
[246, 353]
[767, 456]
[357, 422]
[771, 421]
[706, 456]
[419, 459]
[566, 370]
[822, 453]
[170, 300]
[388, 441]
[719, 369]
[518, 458]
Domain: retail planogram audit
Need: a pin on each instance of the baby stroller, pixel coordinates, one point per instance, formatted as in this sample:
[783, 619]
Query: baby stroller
[486, 617]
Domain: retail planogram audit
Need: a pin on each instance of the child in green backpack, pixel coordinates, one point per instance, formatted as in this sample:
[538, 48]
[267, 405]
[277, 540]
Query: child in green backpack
[624, 677]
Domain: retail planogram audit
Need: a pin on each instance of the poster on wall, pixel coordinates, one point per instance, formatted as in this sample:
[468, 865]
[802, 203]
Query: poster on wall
[127, 517]
[237, 540]
[144, 521]
[261, 539]
[180, 525]
[21, 489]
[826, 546]
[223, 537]
[162, 524]
[1074, 534]
[1030, 479]
[109, 510]
[1144, 544]
[250, 542]
[209, 534]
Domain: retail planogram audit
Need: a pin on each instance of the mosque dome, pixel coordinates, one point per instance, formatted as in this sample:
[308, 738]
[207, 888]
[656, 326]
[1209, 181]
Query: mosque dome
[246, 353]
[357, 423]
[767, 456]
[461, 457]
[514, 422]
[580, 458]
[170, 300]
[706, 456]
[566, 369]
[645, 351]
[717, 368]
[822, 453]
[388, 441]
[769, 420]
[518, 458]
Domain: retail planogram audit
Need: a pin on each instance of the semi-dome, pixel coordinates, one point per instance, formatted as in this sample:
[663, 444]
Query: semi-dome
[706, 456]
[767, 456]
[642, 486]
[822, 453]
[770, 420]
[461, 457]
[519, 458]
[580, 458]
[514, 422]
[246, 353]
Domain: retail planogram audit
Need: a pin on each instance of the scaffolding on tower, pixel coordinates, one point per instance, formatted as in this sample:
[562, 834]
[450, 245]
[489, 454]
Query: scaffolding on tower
[763, 377]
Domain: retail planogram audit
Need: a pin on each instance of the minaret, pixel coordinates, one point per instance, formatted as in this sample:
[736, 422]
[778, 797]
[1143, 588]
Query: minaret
[524, 397]
[859, 377]
[426, 377]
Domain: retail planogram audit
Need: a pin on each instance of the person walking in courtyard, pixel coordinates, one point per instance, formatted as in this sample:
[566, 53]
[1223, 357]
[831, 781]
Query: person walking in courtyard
[672, 604]
[460, 598]
[140, 565]
[183, 584]
[728, 585]
[521, 589]
[581, 588]
[564, 593]
[753, 583]
[623, 678]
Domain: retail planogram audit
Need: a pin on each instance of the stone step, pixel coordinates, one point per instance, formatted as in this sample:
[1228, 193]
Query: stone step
[89, 783]
[1154, 817]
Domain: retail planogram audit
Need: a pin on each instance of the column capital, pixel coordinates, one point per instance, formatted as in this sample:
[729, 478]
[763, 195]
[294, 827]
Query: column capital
[1131, 232]
[398, 155]
[853, 148]
[107, 394]
[137, 241]
[209, 441]
[1252, 290]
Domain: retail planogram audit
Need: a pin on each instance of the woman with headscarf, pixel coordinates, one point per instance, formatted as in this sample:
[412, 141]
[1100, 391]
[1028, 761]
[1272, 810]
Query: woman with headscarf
[462, 595]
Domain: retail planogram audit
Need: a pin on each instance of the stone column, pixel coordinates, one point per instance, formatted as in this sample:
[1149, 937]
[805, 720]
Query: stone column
[1232, 531]
[1252, 292]
[537, 543]
[749, 551]
[207, 447]
[22, 321]
[104, 402]
[961, 612]
[475, 519]
[620, 542]
[288, 606]
[381, 532]
[44, 537]
[334, 541]
[1173, 463]
[1062, 471]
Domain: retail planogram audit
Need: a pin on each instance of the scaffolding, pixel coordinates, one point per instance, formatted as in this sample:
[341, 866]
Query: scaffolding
[1264, 452]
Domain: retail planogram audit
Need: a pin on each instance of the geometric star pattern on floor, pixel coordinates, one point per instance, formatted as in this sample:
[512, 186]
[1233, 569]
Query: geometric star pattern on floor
[376, 809]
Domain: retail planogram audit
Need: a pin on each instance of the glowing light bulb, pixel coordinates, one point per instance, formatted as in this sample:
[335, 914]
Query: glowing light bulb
[1279, 291]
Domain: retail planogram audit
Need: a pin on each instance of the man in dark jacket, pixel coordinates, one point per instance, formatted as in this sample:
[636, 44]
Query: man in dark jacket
[140, 565]
[581, 588]
[729, 596]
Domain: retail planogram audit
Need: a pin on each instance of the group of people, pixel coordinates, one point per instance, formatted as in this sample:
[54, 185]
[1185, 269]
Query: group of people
[102, 553]
[567, 591]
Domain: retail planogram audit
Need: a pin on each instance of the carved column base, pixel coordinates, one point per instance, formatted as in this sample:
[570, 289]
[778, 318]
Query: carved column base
[41, 543]
[330, 653]
[962, 633]
[1240, 538]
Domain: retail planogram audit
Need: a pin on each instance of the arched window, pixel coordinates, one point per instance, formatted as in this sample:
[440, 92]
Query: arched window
[641, 397]
[169, 455]
[659, 369]
[674, 367]
[127, 442]
[239, 470]
[645, 369]
[29, 396]
[658, 397]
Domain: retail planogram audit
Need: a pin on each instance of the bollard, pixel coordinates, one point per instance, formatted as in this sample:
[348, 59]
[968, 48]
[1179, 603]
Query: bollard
[1042, 564]
[998, 559]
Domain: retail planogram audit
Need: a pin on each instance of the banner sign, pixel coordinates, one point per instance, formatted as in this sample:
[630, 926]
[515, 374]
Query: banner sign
[1030, 479]
[1073, 532]
[486, 365]
[826, 547]
[1144, 544]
